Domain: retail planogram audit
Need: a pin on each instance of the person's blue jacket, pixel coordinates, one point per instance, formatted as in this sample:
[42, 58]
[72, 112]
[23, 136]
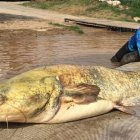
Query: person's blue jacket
[134, 42]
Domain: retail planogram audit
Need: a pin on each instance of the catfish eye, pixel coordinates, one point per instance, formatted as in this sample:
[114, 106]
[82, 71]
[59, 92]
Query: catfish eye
[2, 99]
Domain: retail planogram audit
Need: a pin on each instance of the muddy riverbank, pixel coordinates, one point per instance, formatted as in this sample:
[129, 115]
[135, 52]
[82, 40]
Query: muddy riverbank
[22, 49]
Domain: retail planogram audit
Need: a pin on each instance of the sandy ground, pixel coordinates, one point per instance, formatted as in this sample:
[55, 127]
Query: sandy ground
[15, 16]
[17, 9]
[17, 22]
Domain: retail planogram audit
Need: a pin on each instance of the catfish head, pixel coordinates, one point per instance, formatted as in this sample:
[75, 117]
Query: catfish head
[26, 100]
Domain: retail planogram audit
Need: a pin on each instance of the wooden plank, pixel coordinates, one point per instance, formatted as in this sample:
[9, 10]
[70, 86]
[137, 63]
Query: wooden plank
[104, 23]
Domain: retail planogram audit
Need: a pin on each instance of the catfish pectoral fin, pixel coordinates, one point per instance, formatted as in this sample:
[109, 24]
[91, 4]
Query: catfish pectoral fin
[81, 93]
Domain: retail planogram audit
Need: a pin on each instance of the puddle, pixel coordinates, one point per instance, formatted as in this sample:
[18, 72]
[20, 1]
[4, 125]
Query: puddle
[24, 50]
[9, 17]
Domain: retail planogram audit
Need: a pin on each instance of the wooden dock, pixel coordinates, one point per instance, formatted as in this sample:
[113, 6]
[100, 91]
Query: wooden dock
[104, 23]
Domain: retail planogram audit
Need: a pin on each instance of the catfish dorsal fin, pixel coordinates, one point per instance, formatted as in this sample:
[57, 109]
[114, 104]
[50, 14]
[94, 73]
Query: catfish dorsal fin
[81, 93]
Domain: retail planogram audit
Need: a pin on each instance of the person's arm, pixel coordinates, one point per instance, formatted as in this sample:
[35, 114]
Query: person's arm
[138, 40]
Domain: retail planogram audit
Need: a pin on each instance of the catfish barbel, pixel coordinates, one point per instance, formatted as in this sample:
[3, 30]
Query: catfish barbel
[63, 93]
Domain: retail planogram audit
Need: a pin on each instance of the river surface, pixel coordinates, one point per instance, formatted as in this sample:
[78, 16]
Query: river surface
[23, 50]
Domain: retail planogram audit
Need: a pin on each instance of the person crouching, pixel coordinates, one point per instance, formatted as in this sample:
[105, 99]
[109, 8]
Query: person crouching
[130, 51]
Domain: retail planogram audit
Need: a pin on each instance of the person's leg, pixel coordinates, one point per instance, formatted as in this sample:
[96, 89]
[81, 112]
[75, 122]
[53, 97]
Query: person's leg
[130, 57]
[121, 52]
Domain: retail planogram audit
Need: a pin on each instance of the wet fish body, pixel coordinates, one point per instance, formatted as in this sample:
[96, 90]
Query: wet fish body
[64, 93]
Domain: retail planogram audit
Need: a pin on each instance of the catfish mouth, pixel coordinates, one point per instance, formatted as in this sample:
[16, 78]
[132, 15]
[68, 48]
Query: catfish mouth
[40, 115]
[12, 114]
[13, 118]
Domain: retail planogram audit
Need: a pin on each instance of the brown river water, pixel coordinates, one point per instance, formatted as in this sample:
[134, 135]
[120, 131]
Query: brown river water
[23, 50]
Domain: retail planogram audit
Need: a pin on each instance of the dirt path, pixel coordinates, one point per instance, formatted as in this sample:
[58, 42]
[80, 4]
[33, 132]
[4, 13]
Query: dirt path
[15, 16]
[17, 9]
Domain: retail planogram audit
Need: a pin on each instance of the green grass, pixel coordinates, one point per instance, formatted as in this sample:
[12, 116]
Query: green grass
[133, 12]
[70, 28]
[103, 7]
[45, 5]
[131, 3]
[92, 8]
[134, 7]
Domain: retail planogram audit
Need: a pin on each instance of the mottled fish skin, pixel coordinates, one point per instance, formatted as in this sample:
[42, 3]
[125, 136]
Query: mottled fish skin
[115, 85]
[24, 97]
